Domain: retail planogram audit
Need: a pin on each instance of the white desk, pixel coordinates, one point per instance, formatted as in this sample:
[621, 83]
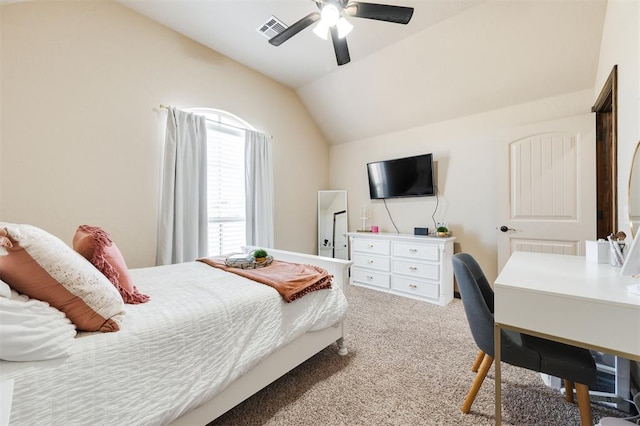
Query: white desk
[567, 299]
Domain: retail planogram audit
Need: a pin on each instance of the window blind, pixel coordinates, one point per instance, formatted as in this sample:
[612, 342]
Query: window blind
[225, 188]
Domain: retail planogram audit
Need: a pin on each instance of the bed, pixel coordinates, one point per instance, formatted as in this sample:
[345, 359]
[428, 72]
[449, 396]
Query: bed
[204, 342]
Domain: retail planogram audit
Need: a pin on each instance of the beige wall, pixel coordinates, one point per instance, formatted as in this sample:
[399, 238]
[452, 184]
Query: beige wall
[465, 151]
[80, 81]
[621, 46]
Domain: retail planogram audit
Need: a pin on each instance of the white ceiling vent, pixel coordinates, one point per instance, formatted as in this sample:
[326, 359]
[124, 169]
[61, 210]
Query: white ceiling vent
[272, 27]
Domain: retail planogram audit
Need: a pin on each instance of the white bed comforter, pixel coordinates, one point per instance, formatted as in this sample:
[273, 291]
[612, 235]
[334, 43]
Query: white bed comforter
[201, 330]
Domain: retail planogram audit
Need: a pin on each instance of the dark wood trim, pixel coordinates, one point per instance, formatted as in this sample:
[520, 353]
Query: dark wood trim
[606, 110]
[610, 88]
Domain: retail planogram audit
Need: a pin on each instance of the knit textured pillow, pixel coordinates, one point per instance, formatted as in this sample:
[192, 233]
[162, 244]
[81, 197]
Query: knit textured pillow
[96, 246]
[40, 265]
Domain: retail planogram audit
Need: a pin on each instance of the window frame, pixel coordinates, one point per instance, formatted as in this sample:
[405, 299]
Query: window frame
[223, 122]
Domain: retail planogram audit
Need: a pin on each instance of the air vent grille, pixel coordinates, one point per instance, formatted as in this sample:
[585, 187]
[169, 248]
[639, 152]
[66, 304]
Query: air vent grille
[272, 27]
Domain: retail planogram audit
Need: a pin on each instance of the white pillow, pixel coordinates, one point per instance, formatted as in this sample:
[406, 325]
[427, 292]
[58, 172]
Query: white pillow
[43, 267]
[31, 330]
[5, 290]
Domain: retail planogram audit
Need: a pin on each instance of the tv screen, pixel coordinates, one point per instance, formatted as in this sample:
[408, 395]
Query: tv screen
[401, 177]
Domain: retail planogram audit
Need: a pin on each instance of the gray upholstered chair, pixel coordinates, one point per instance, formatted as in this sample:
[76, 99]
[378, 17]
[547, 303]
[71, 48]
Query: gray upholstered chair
[574, 365]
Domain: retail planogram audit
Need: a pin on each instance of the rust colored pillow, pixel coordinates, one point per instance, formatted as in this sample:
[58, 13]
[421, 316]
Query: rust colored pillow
[96, 246]
[41, 266]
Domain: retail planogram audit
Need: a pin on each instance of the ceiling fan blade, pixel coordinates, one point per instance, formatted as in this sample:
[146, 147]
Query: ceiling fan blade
[294, 29]
[340, 47]
[380, 12]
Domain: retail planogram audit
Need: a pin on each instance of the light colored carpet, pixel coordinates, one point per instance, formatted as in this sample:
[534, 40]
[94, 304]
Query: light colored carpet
[409, 363]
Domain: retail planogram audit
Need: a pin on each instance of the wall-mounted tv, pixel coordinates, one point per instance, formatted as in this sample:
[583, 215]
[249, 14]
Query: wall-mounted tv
[401, 177]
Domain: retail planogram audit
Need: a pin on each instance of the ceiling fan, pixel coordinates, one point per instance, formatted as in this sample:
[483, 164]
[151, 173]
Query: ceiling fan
[333, 21]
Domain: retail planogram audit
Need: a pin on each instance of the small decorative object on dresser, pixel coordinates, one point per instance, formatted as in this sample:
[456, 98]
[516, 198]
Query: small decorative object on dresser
[442, 231]
[406, 265]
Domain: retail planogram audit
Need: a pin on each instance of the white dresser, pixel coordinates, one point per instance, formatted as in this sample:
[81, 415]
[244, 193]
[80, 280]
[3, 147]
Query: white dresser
[407, 265]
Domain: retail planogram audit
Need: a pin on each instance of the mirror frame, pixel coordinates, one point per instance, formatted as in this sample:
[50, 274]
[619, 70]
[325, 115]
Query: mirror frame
[330, 249]
[634, 177]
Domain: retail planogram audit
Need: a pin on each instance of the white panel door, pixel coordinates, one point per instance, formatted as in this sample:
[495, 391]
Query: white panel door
[546, 188]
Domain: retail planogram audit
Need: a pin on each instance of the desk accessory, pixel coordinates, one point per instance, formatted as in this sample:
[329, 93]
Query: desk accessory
[631, 265]
[597, 251]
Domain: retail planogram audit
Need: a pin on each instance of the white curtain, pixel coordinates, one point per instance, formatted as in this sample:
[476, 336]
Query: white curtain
[182, 227]
[259, 189]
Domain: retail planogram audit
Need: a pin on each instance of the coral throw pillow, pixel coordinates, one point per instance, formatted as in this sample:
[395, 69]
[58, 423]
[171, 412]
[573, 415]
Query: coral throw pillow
[40, 265]
[96, 246]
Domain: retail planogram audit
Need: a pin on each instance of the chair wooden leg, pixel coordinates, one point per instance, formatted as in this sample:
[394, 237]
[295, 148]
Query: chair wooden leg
[477, 362]
[477, 382]
[568, 390]
[584, 404]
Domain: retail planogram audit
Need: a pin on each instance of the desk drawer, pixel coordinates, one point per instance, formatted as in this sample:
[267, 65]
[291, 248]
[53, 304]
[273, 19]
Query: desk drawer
[416, 251]
[415, 287]
[379, 263]
[378, 279]
[416, 269]
[366, 245]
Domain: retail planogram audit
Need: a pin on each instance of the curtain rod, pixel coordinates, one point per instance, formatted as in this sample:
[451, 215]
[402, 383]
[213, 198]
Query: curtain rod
[217, 122]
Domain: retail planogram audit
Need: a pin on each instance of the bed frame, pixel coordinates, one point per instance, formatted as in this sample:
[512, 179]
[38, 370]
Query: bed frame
[282, 360]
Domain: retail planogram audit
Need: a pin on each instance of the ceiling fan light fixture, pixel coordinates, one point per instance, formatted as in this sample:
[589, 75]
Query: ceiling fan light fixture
[344, 27]
[329, 15]
[331, 19]
[322, 30]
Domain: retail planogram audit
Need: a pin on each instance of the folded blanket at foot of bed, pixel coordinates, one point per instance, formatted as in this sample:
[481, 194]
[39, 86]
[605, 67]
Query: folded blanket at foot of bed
[291, 280]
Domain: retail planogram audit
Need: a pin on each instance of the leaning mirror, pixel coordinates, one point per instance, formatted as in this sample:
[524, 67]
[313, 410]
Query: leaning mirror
[634, 193]
[332, 224]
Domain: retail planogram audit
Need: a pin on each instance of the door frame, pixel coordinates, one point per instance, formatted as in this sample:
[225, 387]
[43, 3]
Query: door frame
[606, 110]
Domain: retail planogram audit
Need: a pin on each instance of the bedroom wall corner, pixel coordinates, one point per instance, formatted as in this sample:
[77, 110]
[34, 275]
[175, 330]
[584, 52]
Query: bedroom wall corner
[464, 151]
[81, 129]
[621, 46]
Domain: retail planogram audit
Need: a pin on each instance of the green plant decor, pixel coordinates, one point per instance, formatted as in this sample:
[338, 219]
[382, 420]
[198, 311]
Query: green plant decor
[260, 254]
[442, 231]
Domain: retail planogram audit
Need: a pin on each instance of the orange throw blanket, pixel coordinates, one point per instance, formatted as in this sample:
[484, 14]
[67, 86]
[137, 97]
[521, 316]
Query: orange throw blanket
[291, 280]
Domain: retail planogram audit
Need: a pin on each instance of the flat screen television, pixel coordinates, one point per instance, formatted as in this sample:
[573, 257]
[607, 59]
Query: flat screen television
[401, 177]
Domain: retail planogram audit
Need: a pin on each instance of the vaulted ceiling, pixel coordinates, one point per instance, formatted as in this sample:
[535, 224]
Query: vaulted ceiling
[455, 57]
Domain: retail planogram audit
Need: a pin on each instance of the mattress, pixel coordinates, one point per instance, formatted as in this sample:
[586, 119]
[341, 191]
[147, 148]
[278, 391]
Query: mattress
[202, 329]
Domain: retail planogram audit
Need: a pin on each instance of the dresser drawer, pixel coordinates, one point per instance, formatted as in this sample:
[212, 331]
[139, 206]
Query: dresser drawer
[415, 287]
[416, 251]
[366, 245]
[378, 279]
[371, 261]
[418, 269]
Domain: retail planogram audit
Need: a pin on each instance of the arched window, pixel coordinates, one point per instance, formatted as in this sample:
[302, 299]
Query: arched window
[225, 180]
